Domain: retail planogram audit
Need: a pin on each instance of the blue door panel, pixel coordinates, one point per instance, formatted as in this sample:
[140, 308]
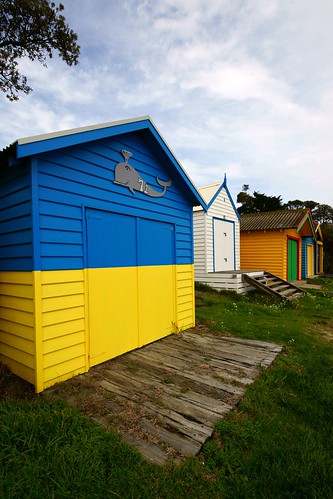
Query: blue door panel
[118, 240]
[155, 242]
[111, 239]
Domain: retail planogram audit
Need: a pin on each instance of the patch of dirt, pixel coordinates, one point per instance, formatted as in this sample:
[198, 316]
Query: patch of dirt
[13, 387]
[325, 330]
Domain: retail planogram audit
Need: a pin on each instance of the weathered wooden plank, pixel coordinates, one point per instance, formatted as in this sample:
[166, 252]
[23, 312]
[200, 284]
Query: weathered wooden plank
[239, 356]
[189, 410]
[198, 432]
[186, 446]
[232, 339]
[242, 354]
[231, 369]
[219, 341]
[225, 340]
[211, 404]
[175, 394]
[150, 452]
[118, 390]
[159, 360]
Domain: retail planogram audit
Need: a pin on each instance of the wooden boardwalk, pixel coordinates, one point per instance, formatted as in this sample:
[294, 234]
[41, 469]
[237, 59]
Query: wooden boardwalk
[165, 398]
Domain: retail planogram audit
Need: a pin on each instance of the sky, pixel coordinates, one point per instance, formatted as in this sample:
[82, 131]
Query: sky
[236, 87]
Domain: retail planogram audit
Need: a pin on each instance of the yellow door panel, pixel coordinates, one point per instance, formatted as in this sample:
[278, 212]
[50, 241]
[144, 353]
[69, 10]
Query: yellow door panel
[310, 260]
[113, 312]
[157, 315]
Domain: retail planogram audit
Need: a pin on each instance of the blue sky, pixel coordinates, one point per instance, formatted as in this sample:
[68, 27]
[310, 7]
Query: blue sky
[242, 87]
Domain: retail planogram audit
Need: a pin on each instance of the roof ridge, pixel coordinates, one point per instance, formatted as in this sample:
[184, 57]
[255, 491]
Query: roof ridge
[82, 129]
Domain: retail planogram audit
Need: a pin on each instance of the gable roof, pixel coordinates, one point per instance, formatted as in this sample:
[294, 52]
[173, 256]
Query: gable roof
[30, 146]
[280, 219]
[210, 192]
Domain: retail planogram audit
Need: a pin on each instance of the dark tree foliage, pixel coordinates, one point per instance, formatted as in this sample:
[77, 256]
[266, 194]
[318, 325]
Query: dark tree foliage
[33, 29]
[327, 231]
[245, 199]
[296, 204]
[310, 204]
[258, 202]
[323, 214]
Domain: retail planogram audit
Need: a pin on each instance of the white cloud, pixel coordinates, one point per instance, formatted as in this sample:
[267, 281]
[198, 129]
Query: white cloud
[242, 87]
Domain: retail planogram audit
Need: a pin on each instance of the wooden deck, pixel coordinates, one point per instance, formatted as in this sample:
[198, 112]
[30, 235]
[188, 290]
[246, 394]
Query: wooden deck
[165, 398]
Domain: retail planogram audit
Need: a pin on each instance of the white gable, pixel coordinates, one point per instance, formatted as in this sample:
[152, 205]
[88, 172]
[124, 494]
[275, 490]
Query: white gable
[207, 193]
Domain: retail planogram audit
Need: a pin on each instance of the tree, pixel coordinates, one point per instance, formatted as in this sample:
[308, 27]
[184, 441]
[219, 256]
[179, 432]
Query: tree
[327, 231]
[243, 197]
[257, 202]
[295, 204]
[33, 29]
[323, 214]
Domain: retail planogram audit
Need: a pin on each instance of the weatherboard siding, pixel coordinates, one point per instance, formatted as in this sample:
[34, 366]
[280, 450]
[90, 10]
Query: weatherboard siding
[306, 241]
[70, 180]
[268, 250]
[17, 323]
[199, 227]
[54, 338]
[261, 250]
[64, 325]
[185, 309]
[16, 245]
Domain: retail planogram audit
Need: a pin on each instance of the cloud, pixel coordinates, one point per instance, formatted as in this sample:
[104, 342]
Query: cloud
[242, 87]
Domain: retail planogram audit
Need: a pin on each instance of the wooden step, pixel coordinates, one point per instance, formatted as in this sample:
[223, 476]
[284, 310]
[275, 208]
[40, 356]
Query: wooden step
[270, 284]
[281, 287]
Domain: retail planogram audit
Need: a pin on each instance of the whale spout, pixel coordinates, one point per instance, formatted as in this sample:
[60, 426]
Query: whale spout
[127, 155]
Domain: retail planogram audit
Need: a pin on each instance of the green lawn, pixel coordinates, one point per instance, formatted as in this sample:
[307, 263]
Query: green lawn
[278, 443]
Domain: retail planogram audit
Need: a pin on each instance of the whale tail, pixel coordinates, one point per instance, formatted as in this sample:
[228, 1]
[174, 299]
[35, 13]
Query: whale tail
[154, 194]
[164, 183]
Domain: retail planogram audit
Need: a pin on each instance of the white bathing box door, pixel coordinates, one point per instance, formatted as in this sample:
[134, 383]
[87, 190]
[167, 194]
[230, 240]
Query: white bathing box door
[224, 256]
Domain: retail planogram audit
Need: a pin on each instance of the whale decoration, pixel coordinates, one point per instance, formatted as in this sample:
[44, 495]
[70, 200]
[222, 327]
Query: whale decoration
[127, 176]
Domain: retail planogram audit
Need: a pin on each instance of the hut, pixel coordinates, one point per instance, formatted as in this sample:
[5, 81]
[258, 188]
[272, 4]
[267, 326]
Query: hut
[282, 242]
[97, 248]
[217, 239]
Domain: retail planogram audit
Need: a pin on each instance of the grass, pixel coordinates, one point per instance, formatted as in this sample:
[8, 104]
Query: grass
[278, 443]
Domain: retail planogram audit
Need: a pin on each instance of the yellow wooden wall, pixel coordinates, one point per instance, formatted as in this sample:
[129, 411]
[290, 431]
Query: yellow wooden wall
[185, 303]
[63, 330]
[17, 323]
[48, 320]
[267, 250]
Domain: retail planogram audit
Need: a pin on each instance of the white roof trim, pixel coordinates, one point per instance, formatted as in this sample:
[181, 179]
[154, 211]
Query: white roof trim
[72, 131]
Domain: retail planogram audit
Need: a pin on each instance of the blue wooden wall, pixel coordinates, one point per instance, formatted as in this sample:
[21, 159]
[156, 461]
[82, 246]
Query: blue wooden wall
[54, 196]
[16, 243]
[305, 242]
